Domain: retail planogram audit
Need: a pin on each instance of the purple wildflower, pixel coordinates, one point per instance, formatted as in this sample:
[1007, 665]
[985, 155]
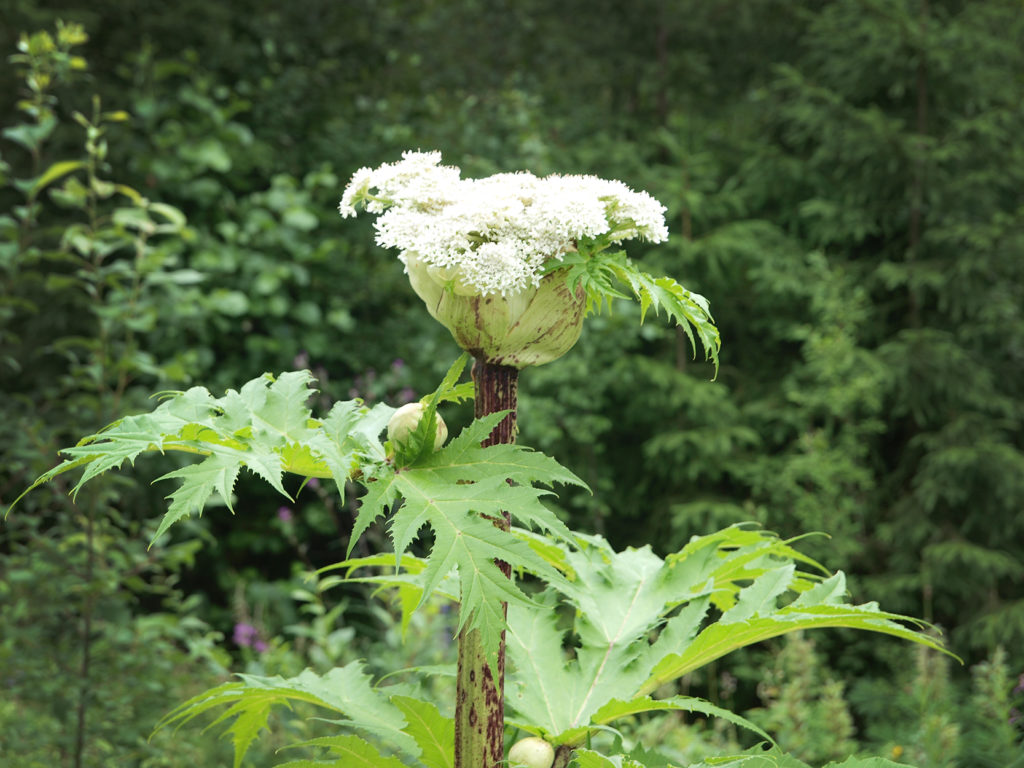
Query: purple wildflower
[284, 514]
[406, 395]
[245, 635]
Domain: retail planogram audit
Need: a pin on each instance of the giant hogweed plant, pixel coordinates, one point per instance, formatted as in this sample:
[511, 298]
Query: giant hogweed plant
[559, 635]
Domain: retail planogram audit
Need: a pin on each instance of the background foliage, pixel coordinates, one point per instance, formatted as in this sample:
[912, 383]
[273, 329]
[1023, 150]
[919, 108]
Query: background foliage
[842, 181]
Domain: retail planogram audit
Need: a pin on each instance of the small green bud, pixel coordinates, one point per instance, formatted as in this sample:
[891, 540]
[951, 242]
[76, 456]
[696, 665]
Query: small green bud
[531, 752]
[405, 420]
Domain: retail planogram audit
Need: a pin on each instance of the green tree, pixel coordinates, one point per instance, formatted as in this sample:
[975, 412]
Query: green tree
[908, 176]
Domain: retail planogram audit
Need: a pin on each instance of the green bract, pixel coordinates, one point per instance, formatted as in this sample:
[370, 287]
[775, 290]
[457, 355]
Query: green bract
[532, 327]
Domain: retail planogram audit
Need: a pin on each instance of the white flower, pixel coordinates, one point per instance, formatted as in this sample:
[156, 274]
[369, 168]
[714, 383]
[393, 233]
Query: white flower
[495, 235]
[357, 189]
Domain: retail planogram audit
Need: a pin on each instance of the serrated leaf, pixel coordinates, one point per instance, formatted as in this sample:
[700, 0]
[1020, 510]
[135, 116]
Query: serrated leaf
[463, 538]
[264, 427]
[621, 599]
[227, 693]
[464, 460]
[547, 549]
[831, 591]
[595, 274]
[719, 639]
[268, 466]
[615, 709]
[689, 310]
[351, 751]
[248, 721]
[367, 430]
[451, 378]
[458, 492]
[123, 441]
[735, 555]
[349, 437]
[420, 442]
[380, 495]
[405, 575]
[434, 733]
[599, 273]
[761, 596]
[60, 469]
[680, 630]
[777, 759]
[588, 758]
[758, 759]
[199, 481]
[542, 688]
[344, 690]
[459, 393]
[282, 418]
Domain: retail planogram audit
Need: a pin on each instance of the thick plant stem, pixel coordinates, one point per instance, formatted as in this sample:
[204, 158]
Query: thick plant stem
[480, 697]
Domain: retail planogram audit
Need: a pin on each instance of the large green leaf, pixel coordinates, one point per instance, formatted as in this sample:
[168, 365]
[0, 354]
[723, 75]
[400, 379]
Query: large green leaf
[346, 691]
[351, 751]
[722, 637]
[458, 492]
[588, 758]
[616, 709]
[775, 758]
[621, 600]
[264, 427]
[433, 732]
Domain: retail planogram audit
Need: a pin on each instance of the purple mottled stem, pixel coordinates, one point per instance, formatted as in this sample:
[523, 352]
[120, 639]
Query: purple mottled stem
[480, 698]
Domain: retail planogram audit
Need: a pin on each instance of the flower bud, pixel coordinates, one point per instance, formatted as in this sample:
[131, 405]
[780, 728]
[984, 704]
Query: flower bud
[531, 752]
[405, 420]
[532, 327]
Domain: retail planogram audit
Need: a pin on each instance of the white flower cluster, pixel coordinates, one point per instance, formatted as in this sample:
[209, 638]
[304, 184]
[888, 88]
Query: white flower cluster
[495, 234]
